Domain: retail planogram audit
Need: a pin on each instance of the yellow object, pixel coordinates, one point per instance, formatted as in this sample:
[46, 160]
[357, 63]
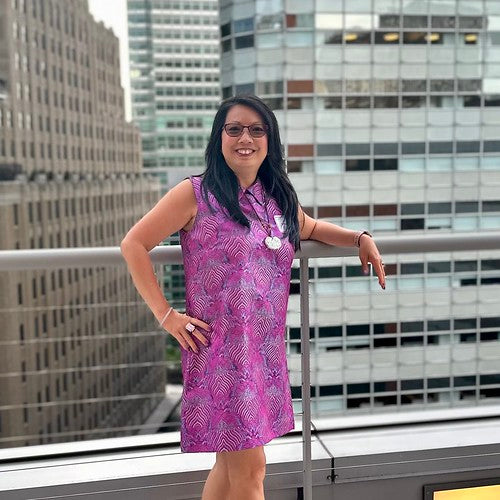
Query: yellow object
[391, 37]
[479, 493]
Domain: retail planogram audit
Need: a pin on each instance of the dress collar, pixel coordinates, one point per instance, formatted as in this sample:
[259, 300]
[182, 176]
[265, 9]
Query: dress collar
[254, 189]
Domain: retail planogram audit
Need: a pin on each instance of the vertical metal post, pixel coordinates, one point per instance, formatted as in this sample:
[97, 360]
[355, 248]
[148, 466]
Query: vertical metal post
[306, 378]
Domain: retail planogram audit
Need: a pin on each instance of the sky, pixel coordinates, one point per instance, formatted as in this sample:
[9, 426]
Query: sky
[113, 13]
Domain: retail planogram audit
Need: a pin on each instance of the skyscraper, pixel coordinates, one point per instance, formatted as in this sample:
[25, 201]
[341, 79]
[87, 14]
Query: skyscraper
[70, 176]
[389, 113]
[174, 67]
[175, 89]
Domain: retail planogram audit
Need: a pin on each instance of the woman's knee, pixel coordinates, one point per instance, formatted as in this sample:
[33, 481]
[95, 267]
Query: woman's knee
[249, 464]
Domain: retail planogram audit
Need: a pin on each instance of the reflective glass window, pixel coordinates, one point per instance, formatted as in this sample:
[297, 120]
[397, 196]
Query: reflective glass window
[357, 102]
[328, 21]
[225, 29]
[299, 21]
[385, 164]
[440, 208]
[386, 102]
[357, 164]
[357, 37]
[439, 164]
[271, 21]
[328, 86]
[408, 224]
[242, 25]
[387, 37]
[438, 267]
[333, 37]
[413, 101]
[243, 42]
[466, 206]
[332, 102]
[491, 206]
[299, 39]
[412, 164]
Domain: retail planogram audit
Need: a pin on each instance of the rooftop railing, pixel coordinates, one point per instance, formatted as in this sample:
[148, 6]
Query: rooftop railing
[47, 259]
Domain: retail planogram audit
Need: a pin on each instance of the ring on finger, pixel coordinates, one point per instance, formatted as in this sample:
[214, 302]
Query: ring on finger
[190, 327]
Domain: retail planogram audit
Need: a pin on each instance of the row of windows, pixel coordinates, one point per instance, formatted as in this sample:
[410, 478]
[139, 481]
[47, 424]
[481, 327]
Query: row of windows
[200, 91]
[362, 86]
[381, 102]
[416, 164]
[351, 22]
[407, 268]
[171, 34]
[186, 105]
[404, 148]
[176, 20]
[174, 161]
[170, 5]
[434, 325]
[175, 142]
[56, 47]
[307, 39]
[94, 235]
[177, 49]
[438, 384]
[72, 26]
[53, 210]
[437, 164]
[195, 63]
[58, 18]
[403, 209]
[187, 77]
[359, 86]
[429, 223]
[59, 126]
[62, 152]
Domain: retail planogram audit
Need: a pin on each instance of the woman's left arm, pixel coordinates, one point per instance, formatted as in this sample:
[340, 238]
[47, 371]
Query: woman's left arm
[326, 232]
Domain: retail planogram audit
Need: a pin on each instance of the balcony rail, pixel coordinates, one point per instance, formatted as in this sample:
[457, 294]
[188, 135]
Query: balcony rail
[17, 260]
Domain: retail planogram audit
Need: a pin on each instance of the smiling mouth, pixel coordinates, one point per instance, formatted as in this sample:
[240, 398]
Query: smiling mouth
[244, 152]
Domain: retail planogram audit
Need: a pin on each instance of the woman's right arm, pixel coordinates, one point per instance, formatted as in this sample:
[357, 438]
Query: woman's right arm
[172, 212]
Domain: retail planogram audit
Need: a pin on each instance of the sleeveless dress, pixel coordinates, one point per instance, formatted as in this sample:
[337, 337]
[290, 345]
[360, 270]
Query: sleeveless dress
[236, 392]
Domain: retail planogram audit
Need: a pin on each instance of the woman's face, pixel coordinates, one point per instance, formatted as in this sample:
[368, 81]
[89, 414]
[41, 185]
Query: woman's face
[244, 154]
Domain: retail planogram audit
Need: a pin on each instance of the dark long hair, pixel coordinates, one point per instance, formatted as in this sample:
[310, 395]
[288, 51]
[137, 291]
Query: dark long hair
[222, 182]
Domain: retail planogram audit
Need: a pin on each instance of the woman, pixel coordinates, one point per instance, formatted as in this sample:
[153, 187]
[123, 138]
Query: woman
[240, 224]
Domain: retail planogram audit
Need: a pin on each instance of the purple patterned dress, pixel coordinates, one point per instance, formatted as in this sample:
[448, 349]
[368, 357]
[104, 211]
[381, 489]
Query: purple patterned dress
[236, 392]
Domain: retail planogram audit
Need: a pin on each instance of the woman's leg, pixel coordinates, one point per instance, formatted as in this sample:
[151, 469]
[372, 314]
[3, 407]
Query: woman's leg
[246, 471]
[217, 484]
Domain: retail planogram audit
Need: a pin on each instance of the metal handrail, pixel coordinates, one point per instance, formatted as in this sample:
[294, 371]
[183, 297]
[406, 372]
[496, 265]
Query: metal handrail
[12, 260]
[56, 258]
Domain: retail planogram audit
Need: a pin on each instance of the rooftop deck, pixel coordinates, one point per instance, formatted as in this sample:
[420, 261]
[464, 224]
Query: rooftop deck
[386, 455]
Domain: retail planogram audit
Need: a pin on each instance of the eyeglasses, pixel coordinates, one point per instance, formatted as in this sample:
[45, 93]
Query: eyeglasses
[236, 129]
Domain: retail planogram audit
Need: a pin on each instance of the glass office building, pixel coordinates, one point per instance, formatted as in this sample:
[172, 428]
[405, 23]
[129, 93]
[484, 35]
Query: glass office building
[174, 69]
[389, 114]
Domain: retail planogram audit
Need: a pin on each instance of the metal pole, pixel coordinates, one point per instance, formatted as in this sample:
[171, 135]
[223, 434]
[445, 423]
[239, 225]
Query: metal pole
[306, 379]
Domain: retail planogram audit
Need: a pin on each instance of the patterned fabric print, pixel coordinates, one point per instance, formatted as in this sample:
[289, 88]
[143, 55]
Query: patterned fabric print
[236, 392]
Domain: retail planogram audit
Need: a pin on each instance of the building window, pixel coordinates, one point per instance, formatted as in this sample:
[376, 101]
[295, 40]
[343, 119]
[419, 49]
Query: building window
[244, 42]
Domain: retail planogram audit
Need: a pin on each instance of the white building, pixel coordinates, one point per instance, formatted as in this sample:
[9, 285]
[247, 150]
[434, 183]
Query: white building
[389, 112]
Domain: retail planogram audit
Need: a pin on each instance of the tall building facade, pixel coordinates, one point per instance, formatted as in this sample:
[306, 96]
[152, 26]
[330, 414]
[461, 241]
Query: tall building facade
[389, 114]
[174, 76]
[70, 176]
[174, 70]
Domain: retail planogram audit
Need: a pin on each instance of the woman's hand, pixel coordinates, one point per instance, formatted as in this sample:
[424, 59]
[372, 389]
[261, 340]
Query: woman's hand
[368, 252]
[175, 324]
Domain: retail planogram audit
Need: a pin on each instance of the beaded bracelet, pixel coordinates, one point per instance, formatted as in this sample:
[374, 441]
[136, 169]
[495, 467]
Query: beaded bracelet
[165, 317]
[358, 235]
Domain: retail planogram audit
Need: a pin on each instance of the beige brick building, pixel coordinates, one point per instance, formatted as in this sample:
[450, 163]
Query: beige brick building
[70, 176]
